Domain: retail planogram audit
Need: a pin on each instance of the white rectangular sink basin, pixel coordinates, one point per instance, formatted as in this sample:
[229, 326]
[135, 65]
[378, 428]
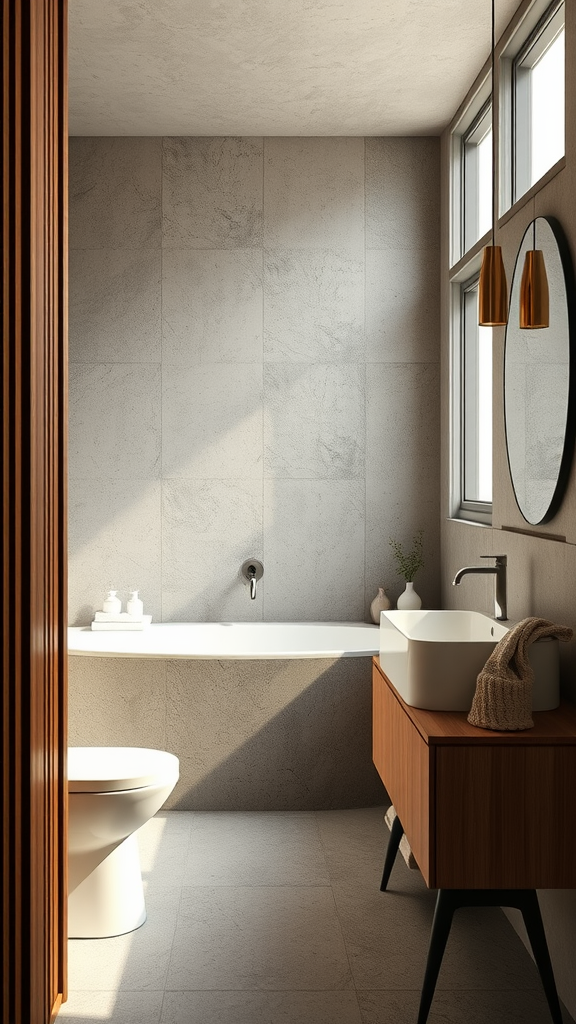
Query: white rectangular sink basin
[433, 658]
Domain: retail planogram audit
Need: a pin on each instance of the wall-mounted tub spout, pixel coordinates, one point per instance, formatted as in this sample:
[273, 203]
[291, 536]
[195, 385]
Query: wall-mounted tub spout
[252, 570]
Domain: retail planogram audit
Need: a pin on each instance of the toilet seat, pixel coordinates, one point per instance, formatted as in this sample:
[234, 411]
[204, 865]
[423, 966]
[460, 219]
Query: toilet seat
[112, 769]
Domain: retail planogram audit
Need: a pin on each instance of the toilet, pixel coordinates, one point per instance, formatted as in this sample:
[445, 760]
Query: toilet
[112, 792]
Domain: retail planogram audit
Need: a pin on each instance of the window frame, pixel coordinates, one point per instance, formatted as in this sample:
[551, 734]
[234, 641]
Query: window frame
[461, 508]
[470, 141]
[536, 26]
[470, 118]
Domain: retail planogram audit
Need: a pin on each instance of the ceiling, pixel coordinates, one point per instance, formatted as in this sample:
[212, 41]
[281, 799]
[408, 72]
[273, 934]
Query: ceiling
[274, 67]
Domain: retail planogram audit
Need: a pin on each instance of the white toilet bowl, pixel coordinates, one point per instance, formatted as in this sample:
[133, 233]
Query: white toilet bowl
[112, 792]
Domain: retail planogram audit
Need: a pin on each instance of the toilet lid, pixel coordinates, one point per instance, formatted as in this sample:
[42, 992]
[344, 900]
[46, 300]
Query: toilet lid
[108, 769]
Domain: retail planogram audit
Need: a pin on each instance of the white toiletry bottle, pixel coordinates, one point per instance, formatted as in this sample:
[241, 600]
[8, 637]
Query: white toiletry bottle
[135, 606]
[112, 604]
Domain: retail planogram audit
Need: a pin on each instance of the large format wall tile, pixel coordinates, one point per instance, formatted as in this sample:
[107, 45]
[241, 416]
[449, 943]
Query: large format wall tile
[212, 306]
[250, 310]
[212, 193]
[388, 516]
[114, 311]
[114, 536]
[212, 420]
[115, 191]
[314, 193]
[402, 193]
[114, 421]
[314, 420]
[313, 550]
[402, 305]
[402, 428]
[313, 307]
[210, 527]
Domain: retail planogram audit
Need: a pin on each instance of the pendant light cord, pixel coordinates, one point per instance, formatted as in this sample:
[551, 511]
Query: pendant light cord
[493, 131]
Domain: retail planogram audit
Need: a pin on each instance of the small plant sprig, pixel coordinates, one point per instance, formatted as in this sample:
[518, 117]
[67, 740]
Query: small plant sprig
[409, 563]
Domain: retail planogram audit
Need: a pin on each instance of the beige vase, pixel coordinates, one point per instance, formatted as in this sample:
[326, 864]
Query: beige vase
[381, 603]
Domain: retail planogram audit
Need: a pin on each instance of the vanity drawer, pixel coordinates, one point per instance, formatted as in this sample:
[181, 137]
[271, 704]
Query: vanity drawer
[403, 761]
[504, 816]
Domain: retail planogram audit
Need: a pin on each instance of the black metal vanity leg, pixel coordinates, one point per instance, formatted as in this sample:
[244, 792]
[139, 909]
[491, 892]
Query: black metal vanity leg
[396, 833]
[443, 914]
[534, 926]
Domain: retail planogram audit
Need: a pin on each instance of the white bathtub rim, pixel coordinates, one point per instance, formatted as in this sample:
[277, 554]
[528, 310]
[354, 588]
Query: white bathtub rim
[174, 640]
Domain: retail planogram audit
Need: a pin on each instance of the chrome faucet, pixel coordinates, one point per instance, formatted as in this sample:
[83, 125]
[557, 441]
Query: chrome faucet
[252, 570]
[499, 571]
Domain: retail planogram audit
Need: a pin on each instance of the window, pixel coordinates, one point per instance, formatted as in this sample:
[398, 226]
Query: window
[477, 175]
[471, 406]
[471, 174]
[538, 101]
[477, 402]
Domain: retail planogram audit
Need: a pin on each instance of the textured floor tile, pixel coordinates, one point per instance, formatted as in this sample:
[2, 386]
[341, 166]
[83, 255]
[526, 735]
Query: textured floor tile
[163, 844]
[314, 193]
[260, 1008]
[212, 192]
[211, 306]
[255, 849]
[484, 1007]
[114, 1007]
[354, 844]
[258, 938]
[387, 938]
[313, 307]
[137, 961]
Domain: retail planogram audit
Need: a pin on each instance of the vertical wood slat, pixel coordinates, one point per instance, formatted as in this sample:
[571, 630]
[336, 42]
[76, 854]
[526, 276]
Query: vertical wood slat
[33, 600]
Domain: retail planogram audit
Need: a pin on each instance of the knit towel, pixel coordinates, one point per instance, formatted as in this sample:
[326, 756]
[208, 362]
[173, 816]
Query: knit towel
[503, 698]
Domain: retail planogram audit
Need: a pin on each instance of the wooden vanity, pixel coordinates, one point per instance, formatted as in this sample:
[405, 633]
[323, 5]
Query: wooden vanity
[481, 809]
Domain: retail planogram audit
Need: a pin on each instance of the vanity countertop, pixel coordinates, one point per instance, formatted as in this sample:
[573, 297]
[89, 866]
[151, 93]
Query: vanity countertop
[452, 727]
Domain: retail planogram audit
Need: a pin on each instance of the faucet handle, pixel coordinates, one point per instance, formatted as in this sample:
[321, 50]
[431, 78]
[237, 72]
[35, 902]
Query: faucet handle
[502, 559]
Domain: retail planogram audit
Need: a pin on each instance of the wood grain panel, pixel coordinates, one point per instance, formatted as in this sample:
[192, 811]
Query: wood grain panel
[505, 817]
[33, 600]
[403, 762]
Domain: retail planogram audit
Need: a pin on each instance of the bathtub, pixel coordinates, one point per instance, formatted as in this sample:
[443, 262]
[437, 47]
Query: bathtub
[230, 640]
[263, 716]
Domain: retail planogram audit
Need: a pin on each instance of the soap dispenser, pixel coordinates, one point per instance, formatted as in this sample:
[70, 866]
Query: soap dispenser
[112, 605]
[135, 606]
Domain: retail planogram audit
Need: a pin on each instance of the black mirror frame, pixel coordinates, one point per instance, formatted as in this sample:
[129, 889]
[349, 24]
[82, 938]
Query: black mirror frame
[570, 430]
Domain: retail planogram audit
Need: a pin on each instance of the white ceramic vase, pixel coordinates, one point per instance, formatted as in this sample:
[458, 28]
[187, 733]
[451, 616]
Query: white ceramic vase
[381, 603]
[409, 601]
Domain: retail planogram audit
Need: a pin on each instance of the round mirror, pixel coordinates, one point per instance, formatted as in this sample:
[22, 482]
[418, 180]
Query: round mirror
[538, 397]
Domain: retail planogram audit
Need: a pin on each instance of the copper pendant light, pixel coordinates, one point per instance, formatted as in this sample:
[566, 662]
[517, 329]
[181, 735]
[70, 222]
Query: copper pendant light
[534, 299]
[492, 286]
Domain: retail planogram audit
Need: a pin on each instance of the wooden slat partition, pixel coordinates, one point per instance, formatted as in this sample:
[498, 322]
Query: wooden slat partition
[33, 601]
